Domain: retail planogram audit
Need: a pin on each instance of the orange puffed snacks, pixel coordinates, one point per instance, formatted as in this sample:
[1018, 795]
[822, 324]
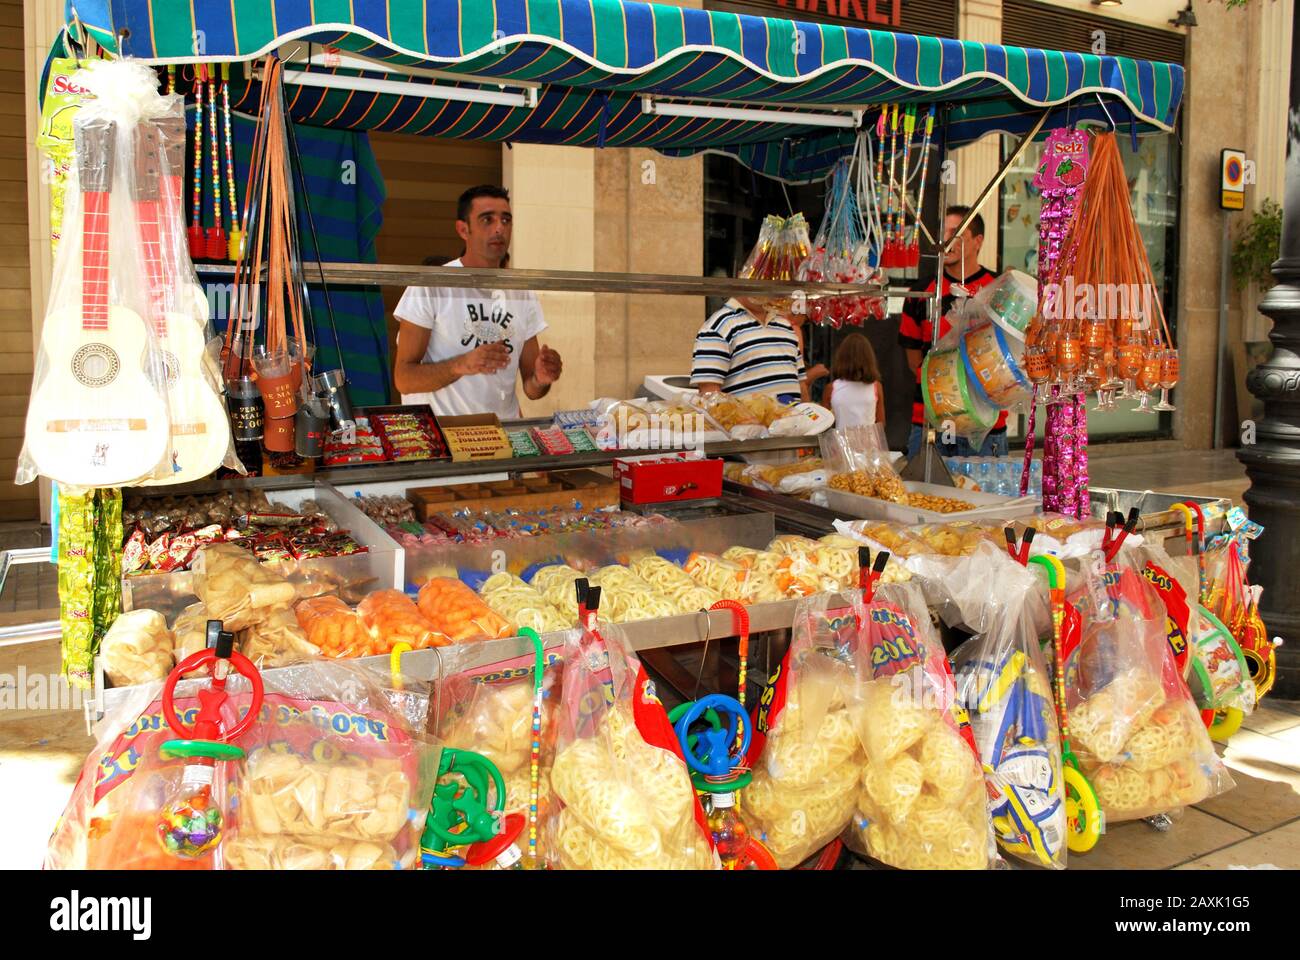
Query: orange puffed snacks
[392, 617]
[334, 627]
[457, 611]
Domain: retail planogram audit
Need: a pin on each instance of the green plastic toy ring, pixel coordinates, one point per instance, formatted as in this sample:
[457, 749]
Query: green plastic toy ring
[211, 749]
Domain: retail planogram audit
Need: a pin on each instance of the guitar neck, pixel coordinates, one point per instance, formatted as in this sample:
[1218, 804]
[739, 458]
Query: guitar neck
[151, 247]
[94, 261]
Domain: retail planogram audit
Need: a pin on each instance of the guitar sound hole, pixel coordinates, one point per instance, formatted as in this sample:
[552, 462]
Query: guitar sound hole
[171, 367]
[95, 365]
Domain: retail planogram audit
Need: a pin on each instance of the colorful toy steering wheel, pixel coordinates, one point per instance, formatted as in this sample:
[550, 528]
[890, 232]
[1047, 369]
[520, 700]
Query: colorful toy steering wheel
[714, 752]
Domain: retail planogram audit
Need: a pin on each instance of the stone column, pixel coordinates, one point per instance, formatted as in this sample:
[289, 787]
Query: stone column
[1273, 462]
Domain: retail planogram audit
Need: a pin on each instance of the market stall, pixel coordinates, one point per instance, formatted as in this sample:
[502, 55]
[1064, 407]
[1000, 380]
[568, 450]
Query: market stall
[504, 619]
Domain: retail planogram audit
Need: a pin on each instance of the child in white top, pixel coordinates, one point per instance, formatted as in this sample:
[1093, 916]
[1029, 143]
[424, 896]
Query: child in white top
[854, 394]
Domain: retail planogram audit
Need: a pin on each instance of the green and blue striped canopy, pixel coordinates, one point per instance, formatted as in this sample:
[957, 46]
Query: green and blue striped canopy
[594, 59]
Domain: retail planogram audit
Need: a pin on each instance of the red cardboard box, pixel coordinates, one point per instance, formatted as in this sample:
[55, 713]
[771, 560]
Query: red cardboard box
[668, 479]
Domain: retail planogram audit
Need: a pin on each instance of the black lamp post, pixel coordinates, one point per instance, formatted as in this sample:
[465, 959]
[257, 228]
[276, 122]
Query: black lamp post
[1273, 462]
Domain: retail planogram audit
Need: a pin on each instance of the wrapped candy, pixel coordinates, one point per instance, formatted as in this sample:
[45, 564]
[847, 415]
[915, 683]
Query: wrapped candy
[622, 798]
[137, 648]
[456, 611]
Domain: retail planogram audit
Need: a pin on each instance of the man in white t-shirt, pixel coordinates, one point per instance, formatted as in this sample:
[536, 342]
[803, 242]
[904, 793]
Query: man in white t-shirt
[459, 349]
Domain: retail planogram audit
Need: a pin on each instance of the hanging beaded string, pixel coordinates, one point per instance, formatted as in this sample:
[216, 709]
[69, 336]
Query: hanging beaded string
[236, 238]
[196, 214]
[218, 219]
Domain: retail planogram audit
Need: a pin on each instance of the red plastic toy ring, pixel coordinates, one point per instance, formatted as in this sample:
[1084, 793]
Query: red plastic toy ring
[193, 662]
[480, 853]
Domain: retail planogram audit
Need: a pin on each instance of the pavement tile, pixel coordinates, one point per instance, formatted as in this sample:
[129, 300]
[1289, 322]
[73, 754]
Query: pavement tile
[1255, 804]
[1269, 719]
[1136, 845]
[1278, 848]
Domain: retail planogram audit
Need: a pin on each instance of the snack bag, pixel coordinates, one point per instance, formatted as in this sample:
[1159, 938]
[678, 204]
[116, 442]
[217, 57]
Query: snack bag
[456, 611]
[1218, 664]
[392, 617]
[277, 641]
[490, 710]
[235, 588]
[805, 754]
[732, 415]
[1134, 727]
[921, 802]
[334, 627]
[1005, 688]
[621, 795]
[857, 461]
[137, 648]
[339, 775]
[521, 604]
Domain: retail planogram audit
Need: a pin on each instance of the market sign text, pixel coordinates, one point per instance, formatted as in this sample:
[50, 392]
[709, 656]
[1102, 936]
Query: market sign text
[886, 13]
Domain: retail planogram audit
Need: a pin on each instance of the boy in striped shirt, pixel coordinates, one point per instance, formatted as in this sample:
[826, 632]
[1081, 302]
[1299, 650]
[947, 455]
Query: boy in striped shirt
[737, 353]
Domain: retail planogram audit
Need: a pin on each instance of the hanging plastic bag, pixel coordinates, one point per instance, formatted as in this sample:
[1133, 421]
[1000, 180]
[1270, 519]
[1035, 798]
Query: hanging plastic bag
[1135, 729]
[490, 710]
[1005, 687]
[337, 774]
[922, 802]
[621, 795]
[97, 415]
[805, 754]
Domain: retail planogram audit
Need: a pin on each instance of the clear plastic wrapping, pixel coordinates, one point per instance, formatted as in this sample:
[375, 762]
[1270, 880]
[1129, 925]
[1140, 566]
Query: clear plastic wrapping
[123, 394]
[622, 798]
[922, 802]
[457, 611]
[1133, 725]
[338, 774]
[1005, 688]
[806, 755]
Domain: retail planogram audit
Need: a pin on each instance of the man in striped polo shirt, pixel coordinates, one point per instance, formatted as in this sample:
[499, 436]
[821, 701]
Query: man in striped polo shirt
[738, 353]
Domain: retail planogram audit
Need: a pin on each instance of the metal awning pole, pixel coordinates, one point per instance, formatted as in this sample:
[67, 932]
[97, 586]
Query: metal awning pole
[997, 179]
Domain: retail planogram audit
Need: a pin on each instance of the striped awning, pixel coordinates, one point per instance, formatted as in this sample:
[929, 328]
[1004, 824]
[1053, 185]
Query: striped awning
[593, 61]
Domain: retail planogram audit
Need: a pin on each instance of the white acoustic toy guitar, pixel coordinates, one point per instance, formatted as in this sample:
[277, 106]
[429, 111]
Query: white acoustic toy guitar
[96, 420]
[200, 430]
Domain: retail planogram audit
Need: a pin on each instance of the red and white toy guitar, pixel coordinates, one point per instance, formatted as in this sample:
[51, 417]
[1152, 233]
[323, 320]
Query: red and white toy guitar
[200, 430]
[96, 420]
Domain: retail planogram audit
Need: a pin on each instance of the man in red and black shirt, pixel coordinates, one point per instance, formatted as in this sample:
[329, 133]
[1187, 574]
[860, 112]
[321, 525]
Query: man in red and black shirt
[960, 268]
